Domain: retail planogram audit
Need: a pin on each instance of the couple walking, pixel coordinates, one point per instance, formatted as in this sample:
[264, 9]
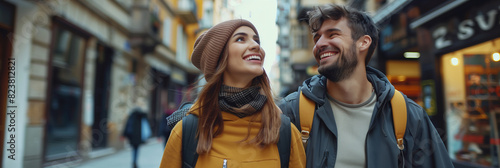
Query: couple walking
[235, 123]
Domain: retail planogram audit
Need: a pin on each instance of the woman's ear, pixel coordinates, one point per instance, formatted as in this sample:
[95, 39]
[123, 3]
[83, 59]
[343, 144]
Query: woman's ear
[364, 43]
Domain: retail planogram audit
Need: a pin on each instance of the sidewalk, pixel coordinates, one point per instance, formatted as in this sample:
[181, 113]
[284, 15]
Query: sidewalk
[149, 157]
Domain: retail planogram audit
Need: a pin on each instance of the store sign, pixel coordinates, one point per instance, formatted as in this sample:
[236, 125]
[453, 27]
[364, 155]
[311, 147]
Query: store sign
[178, 76]
[459, 29]
[396, 37]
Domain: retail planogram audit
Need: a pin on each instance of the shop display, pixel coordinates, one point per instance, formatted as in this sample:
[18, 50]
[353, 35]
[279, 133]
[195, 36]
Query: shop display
[478, 130]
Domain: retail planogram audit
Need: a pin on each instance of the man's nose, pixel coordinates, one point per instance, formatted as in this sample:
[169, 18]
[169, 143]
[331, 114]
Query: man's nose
[321, 43]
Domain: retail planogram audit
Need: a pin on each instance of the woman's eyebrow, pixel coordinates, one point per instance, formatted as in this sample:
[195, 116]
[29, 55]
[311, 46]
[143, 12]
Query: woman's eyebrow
[240, 33]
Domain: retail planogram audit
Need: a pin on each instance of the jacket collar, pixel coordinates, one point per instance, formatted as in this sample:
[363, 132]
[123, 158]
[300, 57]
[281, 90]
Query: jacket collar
[314, 88]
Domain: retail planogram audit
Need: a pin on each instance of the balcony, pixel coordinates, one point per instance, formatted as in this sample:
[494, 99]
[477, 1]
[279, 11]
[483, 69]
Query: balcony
[144, 27]
[187, 11]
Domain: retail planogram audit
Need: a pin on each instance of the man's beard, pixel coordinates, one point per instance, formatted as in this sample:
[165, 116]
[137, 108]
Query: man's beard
[343, 68]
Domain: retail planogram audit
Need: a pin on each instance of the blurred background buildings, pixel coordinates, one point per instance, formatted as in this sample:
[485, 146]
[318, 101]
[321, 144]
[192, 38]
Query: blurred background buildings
[81, 65]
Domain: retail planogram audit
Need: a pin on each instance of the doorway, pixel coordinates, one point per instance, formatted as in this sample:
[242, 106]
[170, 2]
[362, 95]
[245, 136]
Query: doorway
[101, 92]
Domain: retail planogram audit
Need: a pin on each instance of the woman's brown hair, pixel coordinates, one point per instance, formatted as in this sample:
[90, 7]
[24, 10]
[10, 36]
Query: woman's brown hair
[210, 123]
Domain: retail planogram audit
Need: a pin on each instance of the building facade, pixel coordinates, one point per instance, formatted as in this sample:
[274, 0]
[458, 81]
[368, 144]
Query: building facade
[77, 68]
[459, 43]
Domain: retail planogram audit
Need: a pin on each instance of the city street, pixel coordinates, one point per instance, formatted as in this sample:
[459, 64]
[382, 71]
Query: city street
[149, 157]
[78, 76]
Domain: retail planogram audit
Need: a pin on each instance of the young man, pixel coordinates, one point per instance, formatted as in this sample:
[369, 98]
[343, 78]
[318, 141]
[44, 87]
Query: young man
[352, 123]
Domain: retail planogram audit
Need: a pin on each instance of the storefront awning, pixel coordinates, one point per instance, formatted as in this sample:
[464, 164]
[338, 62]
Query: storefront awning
[389, 9]
[439, 11]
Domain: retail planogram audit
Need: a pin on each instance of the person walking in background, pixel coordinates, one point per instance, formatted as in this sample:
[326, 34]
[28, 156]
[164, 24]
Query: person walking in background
[164, 129]
[352, 123]
[234, 119]
[137, 131]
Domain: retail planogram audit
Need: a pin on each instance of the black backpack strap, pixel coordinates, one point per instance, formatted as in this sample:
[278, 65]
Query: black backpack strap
[189, 141]
[296, 111]
[185, 105]
[179, 114]
[284, 141]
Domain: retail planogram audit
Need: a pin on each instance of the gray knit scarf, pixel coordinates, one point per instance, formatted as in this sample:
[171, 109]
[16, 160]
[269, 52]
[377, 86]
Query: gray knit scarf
[241, 102]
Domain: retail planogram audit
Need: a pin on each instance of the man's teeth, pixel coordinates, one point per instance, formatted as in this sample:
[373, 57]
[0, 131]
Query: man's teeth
[325, 55]
[253, 57]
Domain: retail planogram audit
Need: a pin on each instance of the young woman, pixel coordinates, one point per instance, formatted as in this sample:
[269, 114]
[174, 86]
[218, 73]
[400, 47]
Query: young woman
[238, 121]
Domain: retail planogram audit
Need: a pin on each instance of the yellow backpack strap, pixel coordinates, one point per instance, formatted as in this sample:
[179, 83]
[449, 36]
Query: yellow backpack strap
[306, 111]
[399, 117]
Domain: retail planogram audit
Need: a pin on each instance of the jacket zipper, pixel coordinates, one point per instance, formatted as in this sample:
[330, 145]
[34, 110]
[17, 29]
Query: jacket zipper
[224, 164]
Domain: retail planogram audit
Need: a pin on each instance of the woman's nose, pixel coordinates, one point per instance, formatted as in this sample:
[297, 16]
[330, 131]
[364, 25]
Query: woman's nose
[254, 45]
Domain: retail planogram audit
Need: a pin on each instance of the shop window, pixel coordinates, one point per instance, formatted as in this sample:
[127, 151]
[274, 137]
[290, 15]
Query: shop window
[7, 16]
[472, 95]
[65, 102]
[405, 76]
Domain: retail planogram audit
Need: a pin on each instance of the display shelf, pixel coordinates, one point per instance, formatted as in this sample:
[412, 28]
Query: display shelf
[479, 128]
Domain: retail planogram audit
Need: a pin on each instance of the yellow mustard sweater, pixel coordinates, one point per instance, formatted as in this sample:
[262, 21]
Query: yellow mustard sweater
[228, 146]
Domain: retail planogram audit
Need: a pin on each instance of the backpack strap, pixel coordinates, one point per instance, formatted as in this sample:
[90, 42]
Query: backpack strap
[306, 113]
[284, 141]
[189, 141]
[399, 117]
[185, 105]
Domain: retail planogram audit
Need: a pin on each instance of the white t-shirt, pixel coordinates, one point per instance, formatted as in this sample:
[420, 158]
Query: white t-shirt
[352, 122]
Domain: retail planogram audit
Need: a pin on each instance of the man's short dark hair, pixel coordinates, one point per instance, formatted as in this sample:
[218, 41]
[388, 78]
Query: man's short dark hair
[360, 23]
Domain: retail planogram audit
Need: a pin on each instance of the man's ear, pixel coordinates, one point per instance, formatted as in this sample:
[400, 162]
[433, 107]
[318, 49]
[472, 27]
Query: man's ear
[364, 43]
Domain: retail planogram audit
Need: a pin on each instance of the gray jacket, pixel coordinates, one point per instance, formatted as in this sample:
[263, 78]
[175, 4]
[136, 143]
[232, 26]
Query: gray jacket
[423, 145]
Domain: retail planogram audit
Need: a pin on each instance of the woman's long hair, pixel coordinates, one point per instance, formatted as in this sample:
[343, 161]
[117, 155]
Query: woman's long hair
[210, 116]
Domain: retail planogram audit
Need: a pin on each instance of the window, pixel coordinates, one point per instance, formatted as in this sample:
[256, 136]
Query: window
[471, 82]
[65, 104]
[301, 33]
[167, 31]
[182, 55]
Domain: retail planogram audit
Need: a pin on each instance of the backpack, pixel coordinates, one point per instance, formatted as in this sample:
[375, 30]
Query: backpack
[398, 111]
[190, 141]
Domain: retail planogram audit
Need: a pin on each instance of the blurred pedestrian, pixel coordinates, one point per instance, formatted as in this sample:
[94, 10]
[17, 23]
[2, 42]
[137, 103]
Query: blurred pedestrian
[137, 131]
[164, 130]
[234, 120]
[352, 121]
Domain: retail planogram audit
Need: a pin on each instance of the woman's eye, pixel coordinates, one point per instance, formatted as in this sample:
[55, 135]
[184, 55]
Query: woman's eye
[240, 39]
[258, 41]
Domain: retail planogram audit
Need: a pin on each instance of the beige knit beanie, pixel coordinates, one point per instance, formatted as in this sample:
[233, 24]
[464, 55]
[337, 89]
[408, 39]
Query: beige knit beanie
[209, 47]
